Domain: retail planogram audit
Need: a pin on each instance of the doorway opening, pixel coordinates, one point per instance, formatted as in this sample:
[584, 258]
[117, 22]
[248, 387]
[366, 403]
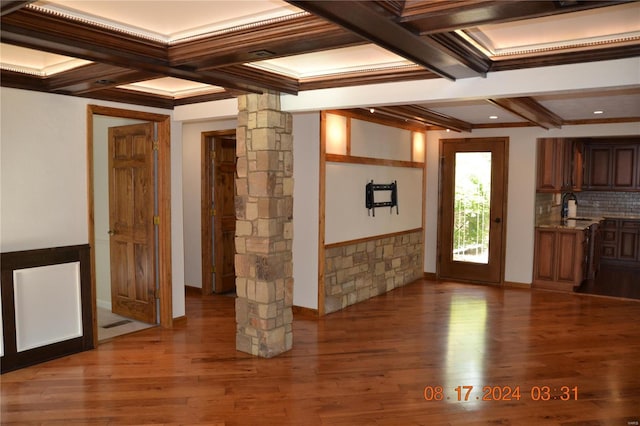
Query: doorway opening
[128, 155]
[218, 212]
[471, 231]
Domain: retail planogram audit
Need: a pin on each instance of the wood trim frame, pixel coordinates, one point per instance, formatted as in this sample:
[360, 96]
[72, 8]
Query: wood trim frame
[337, 158]
[378, 119]
[164, 205]
[12, 360]
[372, 238]
[324, 158]
[206, 233]
[321, 206]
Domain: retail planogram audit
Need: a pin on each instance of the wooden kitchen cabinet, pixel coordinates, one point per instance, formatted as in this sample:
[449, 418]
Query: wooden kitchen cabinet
[560, 163]
[558, 258]
[612, 166]
[618, 241]
[549, 178]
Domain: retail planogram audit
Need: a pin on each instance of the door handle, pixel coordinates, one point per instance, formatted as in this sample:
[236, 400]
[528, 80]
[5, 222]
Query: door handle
[497, 220]
[111, 232]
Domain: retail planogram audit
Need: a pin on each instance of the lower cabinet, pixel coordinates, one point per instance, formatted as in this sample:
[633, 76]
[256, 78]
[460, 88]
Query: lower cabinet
[618, 241]
[558, 258]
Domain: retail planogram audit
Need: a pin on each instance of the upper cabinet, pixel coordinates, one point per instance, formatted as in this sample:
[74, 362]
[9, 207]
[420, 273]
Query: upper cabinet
[590, 164]
[612, 166]
[560, 165]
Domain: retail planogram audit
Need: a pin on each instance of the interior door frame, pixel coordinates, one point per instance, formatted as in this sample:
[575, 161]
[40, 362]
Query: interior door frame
[164, 206]
[505, 184]
[206, 194]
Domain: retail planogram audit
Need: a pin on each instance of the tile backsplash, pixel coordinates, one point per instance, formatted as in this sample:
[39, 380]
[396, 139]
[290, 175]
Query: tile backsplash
[595, 202]
[590, 203]
[546, 208]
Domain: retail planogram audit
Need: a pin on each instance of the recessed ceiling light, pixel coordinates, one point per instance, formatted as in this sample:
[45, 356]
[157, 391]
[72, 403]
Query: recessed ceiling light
[493, 117]
[372, 110]
[598, 112]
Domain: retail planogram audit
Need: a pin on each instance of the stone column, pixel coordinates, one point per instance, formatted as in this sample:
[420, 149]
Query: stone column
[264, 226]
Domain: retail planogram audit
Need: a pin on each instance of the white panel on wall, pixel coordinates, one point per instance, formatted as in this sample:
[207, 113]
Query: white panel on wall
[378, 141]
[346, 217]
[48, 305]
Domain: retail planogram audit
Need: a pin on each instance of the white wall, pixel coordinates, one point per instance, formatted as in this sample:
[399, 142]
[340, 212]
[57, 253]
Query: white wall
[191, 186]
[346, 216]
[306, 184]
[521, 190]
[375, 140]
[43, 175]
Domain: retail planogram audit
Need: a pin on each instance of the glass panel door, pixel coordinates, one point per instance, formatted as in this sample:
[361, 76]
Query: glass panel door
[471, 222]
[472, 204]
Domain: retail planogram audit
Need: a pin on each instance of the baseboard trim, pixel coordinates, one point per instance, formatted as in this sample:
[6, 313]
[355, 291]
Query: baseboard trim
[511, 284]
[305, 312]
[431, 276]
[192, 291]
[180, 321]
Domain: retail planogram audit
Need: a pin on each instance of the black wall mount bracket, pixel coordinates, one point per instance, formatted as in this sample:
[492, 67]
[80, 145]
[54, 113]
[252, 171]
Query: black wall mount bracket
[370, 202]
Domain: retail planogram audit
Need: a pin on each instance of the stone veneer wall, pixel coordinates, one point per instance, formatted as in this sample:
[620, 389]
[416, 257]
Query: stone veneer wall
[359, 271]
[264, 226]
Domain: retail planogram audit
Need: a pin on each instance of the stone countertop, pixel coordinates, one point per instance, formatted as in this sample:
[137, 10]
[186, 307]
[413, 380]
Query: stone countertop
[568, 223]
[581, 223]
[620, 215]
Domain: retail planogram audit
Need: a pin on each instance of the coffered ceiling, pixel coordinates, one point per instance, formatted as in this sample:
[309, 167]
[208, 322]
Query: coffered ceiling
[169, 53]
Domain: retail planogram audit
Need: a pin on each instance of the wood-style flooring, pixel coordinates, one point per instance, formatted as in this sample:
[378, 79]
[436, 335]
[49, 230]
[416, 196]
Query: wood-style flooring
[615, 281]
[370, 364]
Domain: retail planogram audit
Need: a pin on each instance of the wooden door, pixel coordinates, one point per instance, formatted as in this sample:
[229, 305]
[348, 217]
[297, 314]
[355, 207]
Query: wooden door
[218, 211]
[472, 223]
[224, 221]
[131, 213]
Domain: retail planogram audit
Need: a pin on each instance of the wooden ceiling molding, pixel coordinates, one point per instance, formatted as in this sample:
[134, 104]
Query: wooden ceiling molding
[56, 34]
[426, 32]
[428, 17]
[366, 77]
[264, 41]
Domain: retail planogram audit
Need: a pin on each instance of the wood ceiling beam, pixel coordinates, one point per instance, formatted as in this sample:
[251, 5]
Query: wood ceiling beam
[530, 110]
[424, 115]
[563, 58]
[267, 41]
[95, 76]
[427, 17]
[363, 20]
[40, 31]
[19, 80]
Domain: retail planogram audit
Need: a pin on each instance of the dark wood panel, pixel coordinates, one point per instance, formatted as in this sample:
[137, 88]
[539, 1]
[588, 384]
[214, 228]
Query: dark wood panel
[11, 261]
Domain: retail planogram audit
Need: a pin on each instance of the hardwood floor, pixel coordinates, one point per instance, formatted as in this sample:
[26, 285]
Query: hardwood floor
[616, 281]
[370, 364]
